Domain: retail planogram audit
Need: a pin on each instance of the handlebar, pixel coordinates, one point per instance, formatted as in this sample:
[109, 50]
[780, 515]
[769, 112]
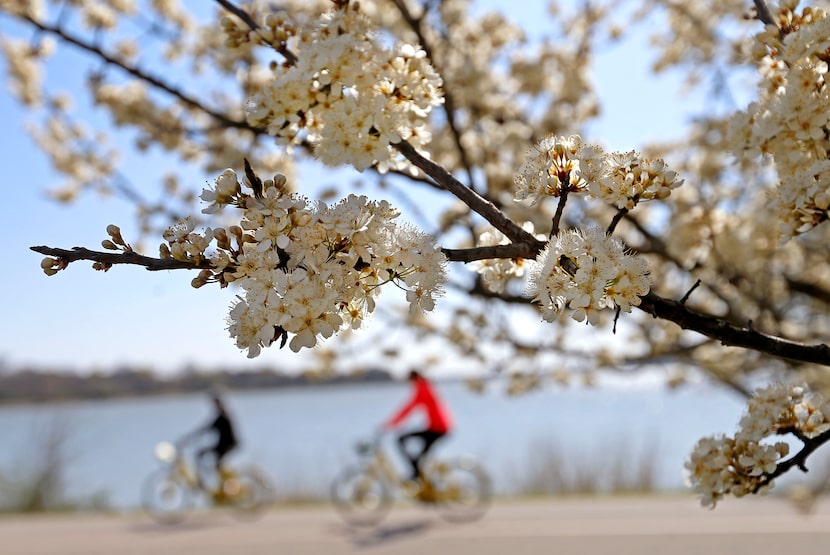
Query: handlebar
[368, 446]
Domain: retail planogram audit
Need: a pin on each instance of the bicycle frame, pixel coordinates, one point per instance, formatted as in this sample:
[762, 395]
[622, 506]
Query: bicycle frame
[181, 471]
[187, 474]
[379, 465]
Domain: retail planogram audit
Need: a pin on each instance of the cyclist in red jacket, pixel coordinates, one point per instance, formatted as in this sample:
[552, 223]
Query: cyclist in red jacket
[438, 420]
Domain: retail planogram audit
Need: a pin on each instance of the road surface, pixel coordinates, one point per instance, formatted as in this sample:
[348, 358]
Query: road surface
[678, 526]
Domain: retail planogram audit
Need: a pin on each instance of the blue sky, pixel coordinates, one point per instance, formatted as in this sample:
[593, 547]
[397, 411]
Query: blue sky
[88, 320]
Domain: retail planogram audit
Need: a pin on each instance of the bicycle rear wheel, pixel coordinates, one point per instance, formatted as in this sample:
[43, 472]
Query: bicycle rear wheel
[249, 492]
[463, 489]
[361, 498]
[165, 498]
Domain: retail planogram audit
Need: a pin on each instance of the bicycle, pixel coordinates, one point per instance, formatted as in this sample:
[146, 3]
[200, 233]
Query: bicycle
[459, 489]
[168, 493]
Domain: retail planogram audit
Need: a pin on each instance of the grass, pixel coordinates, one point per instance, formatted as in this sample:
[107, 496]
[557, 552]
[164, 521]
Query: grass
[550, 469]
[38, 481]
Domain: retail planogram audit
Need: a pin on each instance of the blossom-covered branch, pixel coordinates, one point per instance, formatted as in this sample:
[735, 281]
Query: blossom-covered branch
[745, 463]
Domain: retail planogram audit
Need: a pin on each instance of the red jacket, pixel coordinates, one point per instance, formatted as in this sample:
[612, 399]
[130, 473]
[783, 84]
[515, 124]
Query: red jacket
[438, 417]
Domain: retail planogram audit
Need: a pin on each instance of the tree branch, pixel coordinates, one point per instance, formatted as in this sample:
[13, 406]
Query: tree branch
[560, 209]
[799, 459]
[249, 21]
[812, 290]
[732, 335]
[763, 12]
[112, 258]
[449, 101]
[476, 202]
[616, 220]
[666, 309]
[140, 74]
[513, 250]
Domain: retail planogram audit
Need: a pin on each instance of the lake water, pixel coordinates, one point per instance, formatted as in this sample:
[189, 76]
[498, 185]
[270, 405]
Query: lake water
[302, 436]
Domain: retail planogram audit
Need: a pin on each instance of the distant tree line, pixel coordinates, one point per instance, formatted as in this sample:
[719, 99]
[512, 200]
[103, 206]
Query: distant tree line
[37, 385]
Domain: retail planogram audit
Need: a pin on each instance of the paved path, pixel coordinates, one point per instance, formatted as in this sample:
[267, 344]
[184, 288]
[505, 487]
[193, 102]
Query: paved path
[620, 526]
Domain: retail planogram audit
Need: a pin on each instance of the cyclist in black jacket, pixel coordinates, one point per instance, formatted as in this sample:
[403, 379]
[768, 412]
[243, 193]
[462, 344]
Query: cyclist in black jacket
[222, 427]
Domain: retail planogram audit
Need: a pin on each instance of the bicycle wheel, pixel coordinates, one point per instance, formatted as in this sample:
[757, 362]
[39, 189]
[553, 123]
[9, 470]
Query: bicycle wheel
[165, 498]
[462, 489]
[249, 492]
[361, 498]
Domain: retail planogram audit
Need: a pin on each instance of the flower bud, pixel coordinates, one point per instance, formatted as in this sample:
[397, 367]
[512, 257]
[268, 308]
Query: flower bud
[107, 244]
[200, 280]
[221, 237]
[115, 232]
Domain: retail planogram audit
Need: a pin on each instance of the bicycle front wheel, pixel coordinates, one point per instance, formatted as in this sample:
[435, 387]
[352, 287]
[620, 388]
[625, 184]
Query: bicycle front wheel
[249, 492]
[361, 498]
[463, 489]
[166, 498]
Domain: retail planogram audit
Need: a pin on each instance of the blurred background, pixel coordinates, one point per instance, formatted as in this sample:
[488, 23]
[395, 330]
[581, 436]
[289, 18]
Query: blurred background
[96, 368]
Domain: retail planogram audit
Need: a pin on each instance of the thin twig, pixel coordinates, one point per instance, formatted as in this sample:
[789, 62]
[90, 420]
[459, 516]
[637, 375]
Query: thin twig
[246, 18]
[615, 220]
[799, 459]
[560, 209]
[689, 292]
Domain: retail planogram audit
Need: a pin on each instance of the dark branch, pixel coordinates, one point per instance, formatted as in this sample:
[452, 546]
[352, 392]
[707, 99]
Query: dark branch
[799, 459]
[810, 289]
[476, 202]
[690, 291]
[514, 250]
[560, 209]
[732, 335]
[112, 258]
[763, 12]
[615, 220]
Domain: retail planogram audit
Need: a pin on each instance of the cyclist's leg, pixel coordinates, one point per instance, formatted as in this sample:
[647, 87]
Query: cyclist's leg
[402, 441]
[200, 455]
[220, 466]
[429, 437]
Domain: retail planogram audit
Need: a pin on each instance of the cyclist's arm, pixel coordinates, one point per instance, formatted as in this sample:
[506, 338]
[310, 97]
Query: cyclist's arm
[399, 416]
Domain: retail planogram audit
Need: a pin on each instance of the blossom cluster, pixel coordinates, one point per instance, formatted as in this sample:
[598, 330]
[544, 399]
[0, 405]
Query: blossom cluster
[496, 272]
[307, 270]
[549, 168]
[789, 121]
[348, 95]
[622, 179]
[586, 271]
[741, 464]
